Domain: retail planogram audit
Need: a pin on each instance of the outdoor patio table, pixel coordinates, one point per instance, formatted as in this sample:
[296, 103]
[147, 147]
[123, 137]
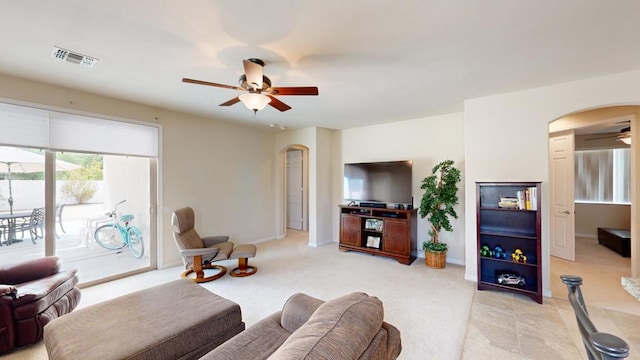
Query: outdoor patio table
[8, 222]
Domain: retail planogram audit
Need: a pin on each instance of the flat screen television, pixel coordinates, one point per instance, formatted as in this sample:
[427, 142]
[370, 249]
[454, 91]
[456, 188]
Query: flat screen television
[384, 182]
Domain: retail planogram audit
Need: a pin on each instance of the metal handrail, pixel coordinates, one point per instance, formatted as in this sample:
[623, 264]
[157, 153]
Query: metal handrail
[599, 346]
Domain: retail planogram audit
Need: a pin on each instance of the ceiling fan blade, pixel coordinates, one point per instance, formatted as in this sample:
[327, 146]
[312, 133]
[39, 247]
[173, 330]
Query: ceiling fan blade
[603, 136]
[200, 82]
[278, 104]
[253, 72]
[301, 90]
[231, 102]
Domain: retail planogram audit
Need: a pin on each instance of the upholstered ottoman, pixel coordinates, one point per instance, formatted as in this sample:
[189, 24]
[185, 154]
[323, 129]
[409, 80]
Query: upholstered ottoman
[243, 252]
[176, 320]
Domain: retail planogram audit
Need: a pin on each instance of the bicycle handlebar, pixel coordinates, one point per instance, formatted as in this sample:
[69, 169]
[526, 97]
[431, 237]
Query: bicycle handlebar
[113, 213]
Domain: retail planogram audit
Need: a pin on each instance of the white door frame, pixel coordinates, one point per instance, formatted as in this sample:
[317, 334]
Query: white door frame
[305, 186]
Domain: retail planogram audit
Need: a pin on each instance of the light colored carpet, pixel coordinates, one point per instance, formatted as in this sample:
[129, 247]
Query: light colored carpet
[601, 270]
[430, 307]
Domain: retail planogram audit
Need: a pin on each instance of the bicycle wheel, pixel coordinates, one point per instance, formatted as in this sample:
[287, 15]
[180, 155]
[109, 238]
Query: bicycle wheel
[108, 236]
[136, 245]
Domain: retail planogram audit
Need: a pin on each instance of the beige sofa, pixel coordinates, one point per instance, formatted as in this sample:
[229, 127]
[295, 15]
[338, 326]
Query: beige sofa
[349, 327]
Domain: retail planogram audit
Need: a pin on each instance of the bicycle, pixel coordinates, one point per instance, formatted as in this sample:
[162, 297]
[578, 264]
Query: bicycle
[115, 236]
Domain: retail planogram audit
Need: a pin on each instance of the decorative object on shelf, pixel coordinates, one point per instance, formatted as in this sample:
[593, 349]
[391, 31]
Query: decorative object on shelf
[498, 253]
[511, 279]
[373, 224]
[485, 251]
[439, 198]
[518, 256]
[373, 242]
[508, 202]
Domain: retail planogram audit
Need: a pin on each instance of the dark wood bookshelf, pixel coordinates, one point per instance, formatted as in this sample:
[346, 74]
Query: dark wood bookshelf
[509, 228]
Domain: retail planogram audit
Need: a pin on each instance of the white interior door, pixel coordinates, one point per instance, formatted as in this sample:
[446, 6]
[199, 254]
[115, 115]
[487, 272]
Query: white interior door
[562, 224]
[294, 190]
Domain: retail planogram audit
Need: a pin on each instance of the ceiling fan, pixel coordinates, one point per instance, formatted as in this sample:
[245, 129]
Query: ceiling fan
[623, 135]
[257, 88]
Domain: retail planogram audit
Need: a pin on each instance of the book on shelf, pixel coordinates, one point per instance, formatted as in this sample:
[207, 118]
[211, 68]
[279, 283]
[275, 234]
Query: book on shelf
[528, 198]
[534, 198]
[520, 197]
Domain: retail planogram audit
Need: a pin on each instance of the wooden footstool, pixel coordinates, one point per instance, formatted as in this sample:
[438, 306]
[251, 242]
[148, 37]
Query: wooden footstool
[176, 320]
[243, 253]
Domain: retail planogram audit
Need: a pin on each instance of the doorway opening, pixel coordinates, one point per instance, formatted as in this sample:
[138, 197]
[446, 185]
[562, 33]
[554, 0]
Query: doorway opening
[574, 220]
[296, 188]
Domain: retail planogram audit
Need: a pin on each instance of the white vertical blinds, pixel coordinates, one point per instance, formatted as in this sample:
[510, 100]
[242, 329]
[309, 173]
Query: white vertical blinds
[603, 176]
[25, 126]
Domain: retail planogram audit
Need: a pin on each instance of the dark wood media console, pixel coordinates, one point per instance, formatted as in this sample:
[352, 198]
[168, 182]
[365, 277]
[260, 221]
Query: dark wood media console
[379, 231]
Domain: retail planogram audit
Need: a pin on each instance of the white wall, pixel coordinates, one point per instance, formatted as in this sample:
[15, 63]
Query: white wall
[427, 142]
[507, 140]
[589, 217]
[224, 171]
[127, 178]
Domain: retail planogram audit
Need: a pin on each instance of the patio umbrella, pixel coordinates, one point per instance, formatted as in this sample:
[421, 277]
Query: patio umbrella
[16, 160]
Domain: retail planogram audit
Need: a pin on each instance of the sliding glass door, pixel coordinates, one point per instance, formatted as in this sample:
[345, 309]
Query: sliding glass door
[100, 194]
[55, 202]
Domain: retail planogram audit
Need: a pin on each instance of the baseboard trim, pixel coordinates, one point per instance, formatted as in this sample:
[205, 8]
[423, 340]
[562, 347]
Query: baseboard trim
[590, 236]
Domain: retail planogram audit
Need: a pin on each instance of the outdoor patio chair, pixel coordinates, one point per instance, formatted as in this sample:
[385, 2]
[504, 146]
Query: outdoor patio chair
[33, 224]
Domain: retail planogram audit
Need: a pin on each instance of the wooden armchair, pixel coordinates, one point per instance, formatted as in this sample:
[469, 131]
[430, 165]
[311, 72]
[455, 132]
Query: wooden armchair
[198, 253]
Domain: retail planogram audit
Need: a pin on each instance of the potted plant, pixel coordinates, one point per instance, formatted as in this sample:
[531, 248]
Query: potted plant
[439, 198]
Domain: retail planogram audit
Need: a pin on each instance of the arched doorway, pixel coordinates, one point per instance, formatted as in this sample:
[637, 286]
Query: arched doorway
[589, 133]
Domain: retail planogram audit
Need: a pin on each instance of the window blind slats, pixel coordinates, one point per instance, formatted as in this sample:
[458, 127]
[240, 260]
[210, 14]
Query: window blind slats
[30, 127]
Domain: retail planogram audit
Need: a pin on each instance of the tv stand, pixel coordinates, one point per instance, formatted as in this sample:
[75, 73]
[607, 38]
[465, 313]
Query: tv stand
[385, 232]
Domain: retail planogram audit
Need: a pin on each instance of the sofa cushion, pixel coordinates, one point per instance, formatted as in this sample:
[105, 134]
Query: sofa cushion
[297, 311]
[339, 329]
[256, 343]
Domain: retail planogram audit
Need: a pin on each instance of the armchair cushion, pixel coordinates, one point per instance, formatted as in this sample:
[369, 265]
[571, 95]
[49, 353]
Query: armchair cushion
[213, 240]
[27, 271]
[37, 295]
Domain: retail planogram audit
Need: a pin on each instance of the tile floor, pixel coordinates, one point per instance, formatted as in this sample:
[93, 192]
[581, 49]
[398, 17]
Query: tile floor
[508, 326]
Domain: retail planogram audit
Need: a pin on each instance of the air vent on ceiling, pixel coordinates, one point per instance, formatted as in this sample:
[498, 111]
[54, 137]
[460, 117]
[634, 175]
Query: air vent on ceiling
[74, 58]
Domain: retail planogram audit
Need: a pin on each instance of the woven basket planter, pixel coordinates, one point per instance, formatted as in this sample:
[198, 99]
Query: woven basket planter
[435, 260]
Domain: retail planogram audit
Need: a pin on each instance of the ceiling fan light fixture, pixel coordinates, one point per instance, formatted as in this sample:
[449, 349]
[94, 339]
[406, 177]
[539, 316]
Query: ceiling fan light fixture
[254, 101]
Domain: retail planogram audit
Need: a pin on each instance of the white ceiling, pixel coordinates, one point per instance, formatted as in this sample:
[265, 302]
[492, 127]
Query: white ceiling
[373, 61]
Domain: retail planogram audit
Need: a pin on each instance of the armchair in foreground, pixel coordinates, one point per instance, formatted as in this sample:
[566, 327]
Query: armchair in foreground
[32, 293]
